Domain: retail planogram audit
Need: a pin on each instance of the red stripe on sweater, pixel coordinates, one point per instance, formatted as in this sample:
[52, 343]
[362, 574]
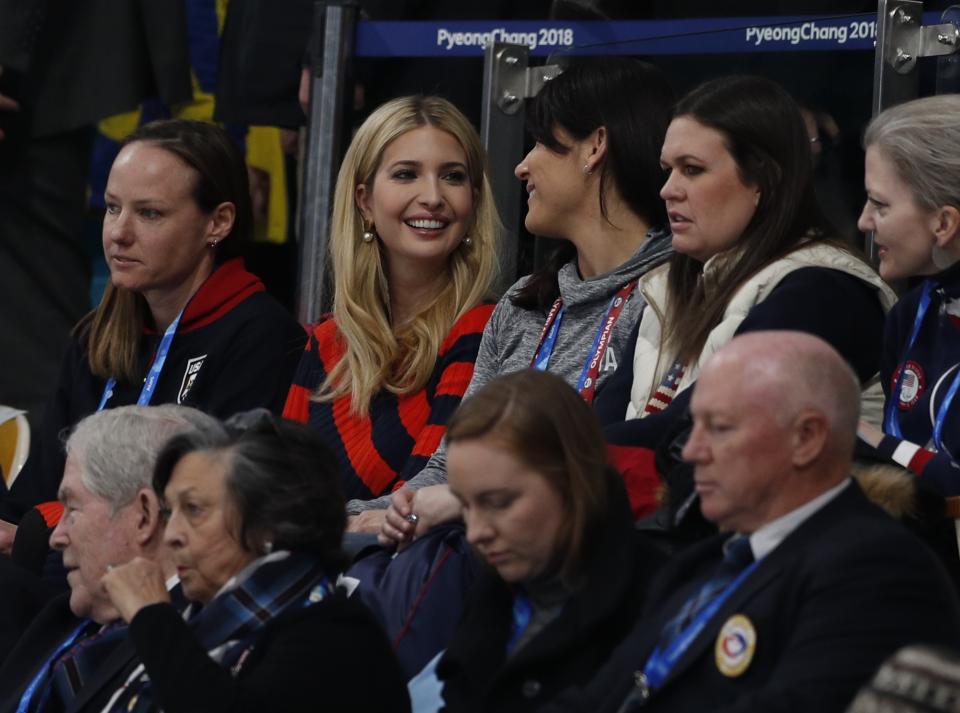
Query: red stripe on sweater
[473, 322]
[297, 407]
[456, 379]
[356, 434]
[413, 410]
[428, 440]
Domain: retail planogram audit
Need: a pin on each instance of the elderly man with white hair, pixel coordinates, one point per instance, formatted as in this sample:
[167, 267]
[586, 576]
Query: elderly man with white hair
[69, 656]
[810, 586]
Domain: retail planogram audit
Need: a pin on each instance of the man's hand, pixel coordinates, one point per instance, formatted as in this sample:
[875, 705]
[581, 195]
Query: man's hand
[134, 585]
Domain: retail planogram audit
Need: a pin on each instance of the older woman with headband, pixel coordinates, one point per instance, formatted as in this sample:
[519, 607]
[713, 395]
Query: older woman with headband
[255, 518]
[414, 248]
[181, 320]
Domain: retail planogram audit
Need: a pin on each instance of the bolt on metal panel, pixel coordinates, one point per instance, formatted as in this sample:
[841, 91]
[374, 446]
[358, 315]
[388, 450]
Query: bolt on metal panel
[508, 81]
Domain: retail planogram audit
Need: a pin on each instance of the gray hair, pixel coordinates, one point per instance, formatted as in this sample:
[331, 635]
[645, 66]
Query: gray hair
[281, 482]
[922, 140]
[116, 449]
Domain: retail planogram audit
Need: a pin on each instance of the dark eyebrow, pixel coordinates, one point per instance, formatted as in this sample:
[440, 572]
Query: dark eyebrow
[107, 195]
[684, 157]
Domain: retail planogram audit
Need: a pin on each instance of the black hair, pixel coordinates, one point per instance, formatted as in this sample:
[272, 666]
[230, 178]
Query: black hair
[632, 100]
[765, 134]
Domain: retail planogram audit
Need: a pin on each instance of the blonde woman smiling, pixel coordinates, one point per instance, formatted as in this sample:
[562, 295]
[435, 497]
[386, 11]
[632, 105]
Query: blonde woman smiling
[414, 255]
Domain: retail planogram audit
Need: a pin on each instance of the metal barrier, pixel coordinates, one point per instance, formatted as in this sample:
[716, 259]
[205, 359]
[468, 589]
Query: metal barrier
[902, 39]
[898, 32]
[334, 26]
[508, 81]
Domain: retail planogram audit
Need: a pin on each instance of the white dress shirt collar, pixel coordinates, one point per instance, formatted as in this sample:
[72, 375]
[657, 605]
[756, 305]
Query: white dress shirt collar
[768, 537]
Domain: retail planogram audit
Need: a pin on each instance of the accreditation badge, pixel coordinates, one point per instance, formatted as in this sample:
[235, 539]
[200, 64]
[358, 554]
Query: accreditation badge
[736, 644]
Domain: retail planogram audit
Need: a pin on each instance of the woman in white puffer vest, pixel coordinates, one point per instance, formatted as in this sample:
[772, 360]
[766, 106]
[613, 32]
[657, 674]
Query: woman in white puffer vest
[751, 252]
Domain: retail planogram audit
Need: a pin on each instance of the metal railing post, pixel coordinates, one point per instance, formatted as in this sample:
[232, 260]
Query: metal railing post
[334, 27]
[507, 82]
[902, 39]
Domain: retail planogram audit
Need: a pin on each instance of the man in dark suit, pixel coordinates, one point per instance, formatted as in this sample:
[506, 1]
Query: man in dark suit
[815, 587]
[76, 653]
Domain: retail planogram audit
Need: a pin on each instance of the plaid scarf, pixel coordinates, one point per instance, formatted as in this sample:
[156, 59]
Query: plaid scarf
[230, 625]
[72, 664]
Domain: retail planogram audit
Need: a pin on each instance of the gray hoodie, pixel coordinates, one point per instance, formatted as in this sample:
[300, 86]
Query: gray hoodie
[513, 334]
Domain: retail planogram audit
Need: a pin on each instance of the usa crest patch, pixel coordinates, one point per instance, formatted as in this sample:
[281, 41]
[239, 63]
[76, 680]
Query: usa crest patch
[190, 376]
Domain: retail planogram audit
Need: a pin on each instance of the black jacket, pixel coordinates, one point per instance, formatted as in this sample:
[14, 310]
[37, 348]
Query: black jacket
[475, 672]
[331, 656]
[236, 349]
[840, 594]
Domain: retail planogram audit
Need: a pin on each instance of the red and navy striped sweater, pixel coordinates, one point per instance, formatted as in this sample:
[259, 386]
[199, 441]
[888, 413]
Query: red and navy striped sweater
[379, 452]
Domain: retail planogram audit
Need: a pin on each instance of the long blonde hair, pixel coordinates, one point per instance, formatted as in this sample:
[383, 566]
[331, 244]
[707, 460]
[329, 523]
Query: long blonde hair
[376, 357]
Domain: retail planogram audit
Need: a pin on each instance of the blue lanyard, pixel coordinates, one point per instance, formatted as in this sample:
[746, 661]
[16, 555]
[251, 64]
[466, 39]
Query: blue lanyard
[589, 374]
[541, 359]
[942, 411]
[42, 674]
[660, 663]
[592, 355]
[891, 423]
[150, 383]
[522, 612]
